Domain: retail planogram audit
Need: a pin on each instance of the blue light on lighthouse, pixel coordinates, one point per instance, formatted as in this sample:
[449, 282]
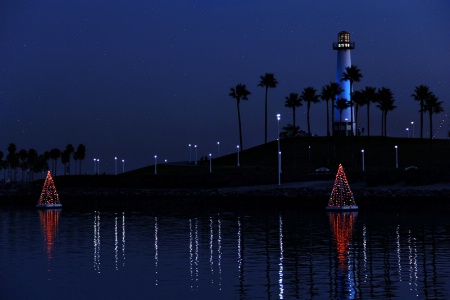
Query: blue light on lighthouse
[343, 48]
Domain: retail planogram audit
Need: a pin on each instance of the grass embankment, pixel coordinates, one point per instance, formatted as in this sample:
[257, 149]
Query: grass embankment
[300, 157]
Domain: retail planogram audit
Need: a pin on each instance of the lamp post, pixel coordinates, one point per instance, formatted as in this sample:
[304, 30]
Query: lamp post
[190, 153]
[95, 168]
[195, 146]
[218, 149]
[412, 123]
[115, 163]
[346, 129]
[156, 156]
[407, 131]
[238, 164]
[396, 156]
[123, 166]
[210, 163]
[279, 152]
[98, 166]
[362, 153]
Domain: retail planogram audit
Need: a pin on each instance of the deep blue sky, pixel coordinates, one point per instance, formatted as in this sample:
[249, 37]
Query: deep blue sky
[137, 78]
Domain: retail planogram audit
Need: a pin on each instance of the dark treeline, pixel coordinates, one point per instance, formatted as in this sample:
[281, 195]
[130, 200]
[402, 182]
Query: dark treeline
[382, 97]
[34, 165]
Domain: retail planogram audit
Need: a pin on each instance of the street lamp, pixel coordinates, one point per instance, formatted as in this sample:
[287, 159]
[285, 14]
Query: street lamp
[346, 129]
[238, 164]
[412, 123]
[195, 146]
[123, 165]
[279, 152]
[396, 156]
[218, 149]
[407, 130]
[210, 164]
[95, 165]
[98, 166]
[156, 156]
[190, 153]
[115, 163]
[362, 153]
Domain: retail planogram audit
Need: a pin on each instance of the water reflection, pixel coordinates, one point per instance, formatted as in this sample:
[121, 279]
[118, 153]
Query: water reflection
[49, 219]
[342, 227]
[287, 255]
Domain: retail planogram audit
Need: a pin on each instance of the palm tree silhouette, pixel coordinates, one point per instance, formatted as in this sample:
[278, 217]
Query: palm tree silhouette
[358, 101]
[293, 101]
[55, 153]
[421, 94]
[342, 104]
[309, 96]
[369, 95]
[352, 74]
[433, 106]
[385, 104]
[330, 92]
[267, 81]
[80, 154]
[239, 93]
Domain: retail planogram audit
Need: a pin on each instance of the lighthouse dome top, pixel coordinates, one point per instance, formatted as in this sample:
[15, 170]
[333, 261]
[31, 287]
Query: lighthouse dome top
[343, 41]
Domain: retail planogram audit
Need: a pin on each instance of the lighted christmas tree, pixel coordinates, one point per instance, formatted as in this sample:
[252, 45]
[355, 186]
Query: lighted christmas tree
[341, 195]
[49, 196]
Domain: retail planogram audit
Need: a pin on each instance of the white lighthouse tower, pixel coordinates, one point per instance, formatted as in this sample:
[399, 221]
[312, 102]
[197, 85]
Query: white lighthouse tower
[343, 126]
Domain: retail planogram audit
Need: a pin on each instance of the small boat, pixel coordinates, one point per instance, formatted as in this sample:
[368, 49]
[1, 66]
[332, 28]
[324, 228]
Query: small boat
[49, 196]
[341, 198]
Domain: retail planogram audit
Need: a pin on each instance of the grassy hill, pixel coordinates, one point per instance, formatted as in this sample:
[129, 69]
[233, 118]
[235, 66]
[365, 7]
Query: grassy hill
[300, 157]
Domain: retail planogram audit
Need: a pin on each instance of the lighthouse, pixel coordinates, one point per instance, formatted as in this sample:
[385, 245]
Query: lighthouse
[343, 126]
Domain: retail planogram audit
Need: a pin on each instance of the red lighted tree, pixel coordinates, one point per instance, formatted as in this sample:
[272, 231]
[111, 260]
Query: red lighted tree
[341, 195]
[49, 196]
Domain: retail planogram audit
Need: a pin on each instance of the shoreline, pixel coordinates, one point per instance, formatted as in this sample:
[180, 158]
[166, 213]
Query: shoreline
[306, 195]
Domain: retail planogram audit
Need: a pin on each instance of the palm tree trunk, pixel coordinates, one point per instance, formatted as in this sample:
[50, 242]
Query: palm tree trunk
[332, 115]
[307, 116]
[431, 124]
[265, 123]
[328, 121]
[368, 119]
[240, 129]
[293, 115]
[421, 119]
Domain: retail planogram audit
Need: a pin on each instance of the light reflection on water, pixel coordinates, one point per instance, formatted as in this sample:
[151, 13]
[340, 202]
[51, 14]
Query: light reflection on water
[271, 255]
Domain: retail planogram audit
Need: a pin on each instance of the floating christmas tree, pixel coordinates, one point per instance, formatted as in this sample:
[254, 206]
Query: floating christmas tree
[49, 197]
[341, 196]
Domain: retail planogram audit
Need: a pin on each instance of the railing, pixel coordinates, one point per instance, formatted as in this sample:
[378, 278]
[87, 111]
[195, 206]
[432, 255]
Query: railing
[339, 46]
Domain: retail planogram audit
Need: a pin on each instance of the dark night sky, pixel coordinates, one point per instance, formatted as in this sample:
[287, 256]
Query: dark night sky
[137, 78]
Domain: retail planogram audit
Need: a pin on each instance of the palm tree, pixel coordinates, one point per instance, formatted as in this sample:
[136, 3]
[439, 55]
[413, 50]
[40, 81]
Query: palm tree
[55, 153]
[70, 150]
[309, 96]
[289, 131]
[342, 104]
[1, 161]
[352, 74]
[239, 93]
[32, 160]
[421, 94]
[358, 101]
[80, 154]
[12, 159]
[23, 162]
[385, 104]
[433, 106]
[293, 101]
[369, 95]
[330, 92]
[65, 158]
[267, 81]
